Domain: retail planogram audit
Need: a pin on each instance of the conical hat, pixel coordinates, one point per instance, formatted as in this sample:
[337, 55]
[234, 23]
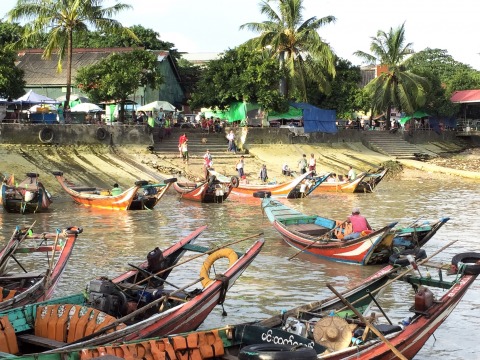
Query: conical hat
[333, 332]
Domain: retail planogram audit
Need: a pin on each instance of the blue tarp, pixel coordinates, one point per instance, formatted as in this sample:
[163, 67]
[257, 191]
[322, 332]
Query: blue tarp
[316, 119]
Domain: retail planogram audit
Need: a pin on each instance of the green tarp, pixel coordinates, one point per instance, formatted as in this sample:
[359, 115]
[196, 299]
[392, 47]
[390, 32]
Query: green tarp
[237, 111]
[291, 114]
[415, 115]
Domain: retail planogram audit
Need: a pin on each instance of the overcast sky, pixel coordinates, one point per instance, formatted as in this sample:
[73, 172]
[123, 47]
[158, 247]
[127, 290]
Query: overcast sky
[213, 25]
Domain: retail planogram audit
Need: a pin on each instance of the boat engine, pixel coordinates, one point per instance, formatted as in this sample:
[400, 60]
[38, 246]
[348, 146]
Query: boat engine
[104, 296]
[295, 326]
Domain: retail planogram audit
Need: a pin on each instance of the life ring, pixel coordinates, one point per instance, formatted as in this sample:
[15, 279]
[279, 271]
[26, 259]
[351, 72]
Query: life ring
[262, 194]
[400, 258]
[101, 133]
[270, 351]
[222, 253]
[169, 181]
[471, 261]
[46, 135]
[74, 230]
[235, 181]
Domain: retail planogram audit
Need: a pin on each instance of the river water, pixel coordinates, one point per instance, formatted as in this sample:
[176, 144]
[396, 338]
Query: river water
[112, 239]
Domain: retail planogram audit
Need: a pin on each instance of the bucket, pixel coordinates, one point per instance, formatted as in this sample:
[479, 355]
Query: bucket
[29, 195]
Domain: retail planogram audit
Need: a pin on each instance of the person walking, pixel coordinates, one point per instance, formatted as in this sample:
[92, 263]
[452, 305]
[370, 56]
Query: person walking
[302, 164]
[207, 163]
[231, 142]
[185, 151]
[181, 140]
[240, 167]
[263, 173]
[312, 163]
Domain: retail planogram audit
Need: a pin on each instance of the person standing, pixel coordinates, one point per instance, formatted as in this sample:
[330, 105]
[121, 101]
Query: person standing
[263, 173]
[359, 224]
[312, 163]
[302, 164]
[185, 151]
[207, 163]
[231, 142]
[351, 174]
[240, 167]
[181, 140]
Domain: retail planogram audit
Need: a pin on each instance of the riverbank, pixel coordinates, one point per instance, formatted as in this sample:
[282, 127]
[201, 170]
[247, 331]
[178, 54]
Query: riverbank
[104, 165]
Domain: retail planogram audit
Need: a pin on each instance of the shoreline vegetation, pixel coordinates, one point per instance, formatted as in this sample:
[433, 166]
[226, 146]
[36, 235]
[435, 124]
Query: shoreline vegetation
[103, 165]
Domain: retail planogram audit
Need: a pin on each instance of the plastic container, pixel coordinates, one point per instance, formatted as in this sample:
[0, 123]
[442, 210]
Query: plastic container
[423, 299]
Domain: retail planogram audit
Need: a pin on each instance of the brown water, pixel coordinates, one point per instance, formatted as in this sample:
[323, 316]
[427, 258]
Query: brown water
[112, 239]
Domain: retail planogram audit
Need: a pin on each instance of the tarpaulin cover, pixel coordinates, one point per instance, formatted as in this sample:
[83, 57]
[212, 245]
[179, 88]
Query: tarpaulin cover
[316, 119]
[292, 114]
[237, 111]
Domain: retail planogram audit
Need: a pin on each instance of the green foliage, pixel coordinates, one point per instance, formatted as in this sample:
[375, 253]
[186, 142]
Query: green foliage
[239, 75]
[189, 75]
[296, 45]
[119, 75]
[11, 78]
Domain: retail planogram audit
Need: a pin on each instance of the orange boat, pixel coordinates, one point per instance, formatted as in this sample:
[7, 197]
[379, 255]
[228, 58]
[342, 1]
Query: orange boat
[290, 189]
[344, 186]
[142, 195]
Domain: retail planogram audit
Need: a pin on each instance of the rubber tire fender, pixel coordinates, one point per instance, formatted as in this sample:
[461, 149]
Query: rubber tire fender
[32, 175]
[235, 181]
[469, 259]
[269, 351]
[396, 259]
[170, 181]
[262, 194]
[230, 254]
[46, 135]
[101, 133]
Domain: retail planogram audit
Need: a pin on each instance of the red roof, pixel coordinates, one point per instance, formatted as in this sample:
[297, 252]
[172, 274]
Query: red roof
[465, 96]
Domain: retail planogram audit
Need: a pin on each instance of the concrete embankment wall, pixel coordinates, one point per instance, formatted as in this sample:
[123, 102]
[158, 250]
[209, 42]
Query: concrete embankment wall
[79, 134]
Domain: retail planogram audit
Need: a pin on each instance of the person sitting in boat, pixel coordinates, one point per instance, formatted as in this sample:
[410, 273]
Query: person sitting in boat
[359, 224]
[351, 174]
[117, 190]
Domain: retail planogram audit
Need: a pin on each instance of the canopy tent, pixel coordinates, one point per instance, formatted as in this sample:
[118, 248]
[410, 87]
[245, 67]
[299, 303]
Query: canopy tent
[74, 99]
[156, 106]
[32, 97]
[415, 115]
[237, 111]
[86, 107]
[293, 113]
[316, 119]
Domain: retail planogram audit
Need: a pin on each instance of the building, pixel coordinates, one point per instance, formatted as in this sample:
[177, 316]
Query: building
[42, 76]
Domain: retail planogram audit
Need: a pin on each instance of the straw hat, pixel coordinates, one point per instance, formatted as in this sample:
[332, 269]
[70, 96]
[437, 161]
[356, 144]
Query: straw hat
[333, 332]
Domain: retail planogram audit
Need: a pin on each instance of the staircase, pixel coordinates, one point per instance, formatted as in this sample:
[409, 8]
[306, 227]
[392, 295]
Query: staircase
[391, 144]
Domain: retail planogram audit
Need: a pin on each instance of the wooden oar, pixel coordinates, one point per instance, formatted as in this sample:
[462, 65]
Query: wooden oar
[133, 314]
[323, 237]
[370, 326]
[400, 275]
[197, 256]
[11, 251]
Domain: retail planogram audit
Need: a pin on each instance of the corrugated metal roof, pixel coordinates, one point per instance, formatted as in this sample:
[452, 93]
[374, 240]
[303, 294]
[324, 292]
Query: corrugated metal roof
[465, 96]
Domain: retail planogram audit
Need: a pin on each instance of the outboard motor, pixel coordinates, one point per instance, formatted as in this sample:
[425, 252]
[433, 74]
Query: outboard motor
[104, 296]
[295, 326]
[156, 261]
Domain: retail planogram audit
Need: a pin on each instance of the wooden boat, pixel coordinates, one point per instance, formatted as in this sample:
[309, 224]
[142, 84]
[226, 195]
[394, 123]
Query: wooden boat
[300, 187]
[371, 180]
[143, 195]
[335, 184]
[215, 190]
[32, 278]
[322, 237]
[329, 334]
[138, 304]
[30, 196]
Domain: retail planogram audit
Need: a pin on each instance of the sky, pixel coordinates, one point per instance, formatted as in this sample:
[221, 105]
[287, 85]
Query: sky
[202, 26]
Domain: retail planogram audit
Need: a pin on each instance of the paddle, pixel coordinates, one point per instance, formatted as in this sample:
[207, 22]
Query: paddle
[400, 275]
[197, 256]
[132, 314]
[323, 237]
[11, 251]
[370, 326]
[152, 275]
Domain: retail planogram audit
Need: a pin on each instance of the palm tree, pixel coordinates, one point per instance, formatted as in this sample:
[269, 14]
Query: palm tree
[296, 43]
[396, 87]
[58, 21]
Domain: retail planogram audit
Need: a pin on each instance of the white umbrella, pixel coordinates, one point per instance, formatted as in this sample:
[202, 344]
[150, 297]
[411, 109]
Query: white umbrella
[157, 105]
[74, 97]
[86, 107]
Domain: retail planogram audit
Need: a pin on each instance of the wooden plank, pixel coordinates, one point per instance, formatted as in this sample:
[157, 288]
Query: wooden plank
[18, 276]
[40, 341]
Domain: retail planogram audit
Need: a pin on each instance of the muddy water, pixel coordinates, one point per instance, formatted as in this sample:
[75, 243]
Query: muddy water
[272, 283]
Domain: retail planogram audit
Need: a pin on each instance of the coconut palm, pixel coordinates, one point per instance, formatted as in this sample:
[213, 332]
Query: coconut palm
[58, 21]
[296, 43]
[396, 87]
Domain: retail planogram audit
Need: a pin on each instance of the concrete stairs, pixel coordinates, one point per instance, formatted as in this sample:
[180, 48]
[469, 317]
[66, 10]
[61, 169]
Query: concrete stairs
[391, 144]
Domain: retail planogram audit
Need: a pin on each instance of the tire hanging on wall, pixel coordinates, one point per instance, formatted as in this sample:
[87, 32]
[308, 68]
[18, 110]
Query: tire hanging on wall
[101, 133]
[46, 135]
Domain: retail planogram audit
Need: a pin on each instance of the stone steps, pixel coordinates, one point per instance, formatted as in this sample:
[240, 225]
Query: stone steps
[390, 144]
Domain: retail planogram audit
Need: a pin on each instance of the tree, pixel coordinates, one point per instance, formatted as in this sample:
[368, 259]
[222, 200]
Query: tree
[396, 87]
[239, 75]
[12, 83]
[119, 76]
[59, 20]
[296, 44]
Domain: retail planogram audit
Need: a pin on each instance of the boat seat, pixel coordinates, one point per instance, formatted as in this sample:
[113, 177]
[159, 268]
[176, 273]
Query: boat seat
[8, 339]
[68, 322]
[385, 329]
[6, 294]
